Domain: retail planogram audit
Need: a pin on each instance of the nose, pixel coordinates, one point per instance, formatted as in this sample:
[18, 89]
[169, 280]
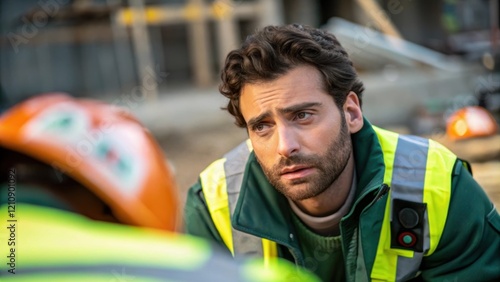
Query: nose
[288, 143]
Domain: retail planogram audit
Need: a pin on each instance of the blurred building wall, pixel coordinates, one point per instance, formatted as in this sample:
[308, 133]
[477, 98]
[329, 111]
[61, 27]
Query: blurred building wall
[45, 53]
[84, 54]
[74, 46]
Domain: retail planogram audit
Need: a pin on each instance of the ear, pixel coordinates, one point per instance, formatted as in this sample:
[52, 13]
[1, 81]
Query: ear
[353, 113]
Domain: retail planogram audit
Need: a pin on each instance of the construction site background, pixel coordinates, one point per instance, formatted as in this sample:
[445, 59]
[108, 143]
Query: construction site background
[420, 61]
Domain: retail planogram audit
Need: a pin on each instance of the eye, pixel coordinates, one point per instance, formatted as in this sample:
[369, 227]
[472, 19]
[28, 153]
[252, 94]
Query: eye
[259, 127]
[303, 115]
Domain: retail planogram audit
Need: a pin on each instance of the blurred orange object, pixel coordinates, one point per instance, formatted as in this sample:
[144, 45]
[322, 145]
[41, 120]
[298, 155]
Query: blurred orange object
[470, 122]
[102, 147]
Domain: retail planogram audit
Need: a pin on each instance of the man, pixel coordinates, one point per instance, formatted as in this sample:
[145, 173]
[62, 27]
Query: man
[317, 184]
[86, 196]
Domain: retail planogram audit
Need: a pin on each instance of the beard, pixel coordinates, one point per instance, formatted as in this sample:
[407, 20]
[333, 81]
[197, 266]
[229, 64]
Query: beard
[329, 165]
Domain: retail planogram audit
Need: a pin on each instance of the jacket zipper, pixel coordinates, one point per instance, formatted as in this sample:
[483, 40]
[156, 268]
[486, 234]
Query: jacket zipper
[382, 190]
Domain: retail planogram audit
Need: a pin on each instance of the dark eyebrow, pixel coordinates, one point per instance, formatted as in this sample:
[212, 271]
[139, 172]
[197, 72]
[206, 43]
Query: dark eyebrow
[257, 119]
[291, 109]
[299, 107]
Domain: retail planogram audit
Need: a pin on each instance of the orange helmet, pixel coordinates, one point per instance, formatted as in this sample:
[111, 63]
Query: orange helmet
[470, 122]
[103, 148]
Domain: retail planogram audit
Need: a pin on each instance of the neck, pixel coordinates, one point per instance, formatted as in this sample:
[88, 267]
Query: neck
[333, 198]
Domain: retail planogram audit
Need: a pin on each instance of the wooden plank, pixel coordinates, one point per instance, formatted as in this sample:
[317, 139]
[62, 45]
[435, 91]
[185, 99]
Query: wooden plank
[174, 14]
[270, 12]
[199, 43]
[143, 54]
[379, 16]
[228, 35]
[473, 150]
[488, 176]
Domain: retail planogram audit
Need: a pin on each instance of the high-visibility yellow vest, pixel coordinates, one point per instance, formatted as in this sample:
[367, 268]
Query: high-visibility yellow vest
[416, 170]
[45, 244]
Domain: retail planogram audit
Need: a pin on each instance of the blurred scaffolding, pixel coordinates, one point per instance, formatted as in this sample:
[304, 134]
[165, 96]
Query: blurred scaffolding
[416, 57]
[103, 47]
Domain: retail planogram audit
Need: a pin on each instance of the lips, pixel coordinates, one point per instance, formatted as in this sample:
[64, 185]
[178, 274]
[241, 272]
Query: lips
[292, 169]
[296, 172]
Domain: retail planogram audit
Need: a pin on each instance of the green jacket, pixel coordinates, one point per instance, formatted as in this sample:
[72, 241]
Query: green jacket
[46, 244]
[468, 249]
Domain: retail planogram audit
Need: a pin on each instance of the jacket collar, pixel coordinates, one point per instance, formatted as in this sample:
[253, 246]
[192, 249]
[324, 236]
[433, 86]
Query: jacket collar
[369, 159]
[264, 212]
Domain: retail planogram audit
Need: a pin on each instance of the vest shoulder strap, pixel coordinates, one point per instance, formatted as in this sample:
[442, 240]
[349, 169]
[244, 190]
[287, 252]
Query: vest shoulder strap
[419, 173]
[221, 185]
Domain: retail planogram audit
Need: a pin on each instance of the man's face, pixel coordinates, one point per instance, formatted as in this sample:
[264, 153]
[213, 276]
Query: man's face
[299, 135]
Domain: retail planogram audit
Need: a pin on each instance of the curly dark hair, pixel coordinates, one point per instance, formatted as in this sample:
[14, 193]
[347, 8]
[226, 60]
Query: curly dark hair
[274, 50]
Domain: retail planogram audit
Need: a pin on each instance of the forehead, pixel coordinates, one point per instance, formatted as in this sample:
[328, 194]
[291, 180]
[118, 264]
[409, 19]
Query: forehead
[301, 84]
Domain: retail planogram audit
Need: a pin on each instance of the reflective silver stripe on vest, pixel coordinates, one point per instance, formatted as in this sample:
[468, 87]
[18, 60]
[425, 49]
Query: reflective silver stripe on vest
[408, 178]
[234, 168]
